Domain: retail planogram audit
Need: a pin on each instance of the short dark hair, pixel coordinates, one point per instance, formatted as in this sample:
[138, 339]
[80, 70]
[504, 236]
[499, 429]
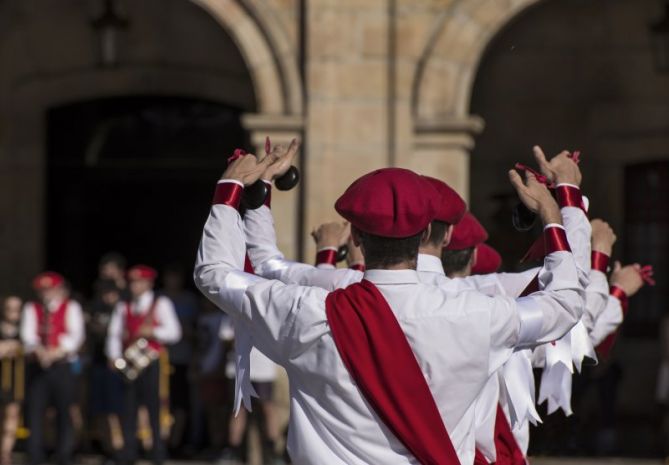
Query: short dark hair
[437, 232]
[382, 252]
[455, 261]
[115, 258]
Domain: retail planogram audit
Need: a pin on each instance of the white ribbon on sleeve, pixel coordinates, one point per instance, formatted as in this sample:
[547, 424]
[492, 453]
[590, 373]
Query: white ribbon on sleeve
[243, 388]
[581, 345]
[518, 393]
[556, 377]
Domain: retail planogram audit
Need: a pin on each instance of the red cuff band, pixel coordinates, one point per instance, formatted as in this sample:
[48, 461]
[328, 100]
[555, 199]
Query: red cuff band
[358, 267]
[569, 196]
[618, 293]
[556, 240]
[268, 199]
[600, 261]
[228, 193]
[328, 256]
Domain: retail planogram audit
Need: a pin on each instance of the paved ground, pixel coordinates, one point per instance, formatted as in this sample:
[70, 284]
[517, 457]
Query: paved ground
[536, 461]
[94, 460]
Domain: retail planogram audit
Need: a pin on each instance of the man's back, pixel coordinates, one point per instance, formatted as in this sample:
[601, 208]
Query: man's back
[458, 339]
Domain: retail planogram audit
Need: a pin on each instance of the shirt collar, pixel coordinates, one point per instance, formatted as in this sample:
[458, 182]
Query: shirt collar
[392, 276]
[144, 300]
[54, 304]
[429, 263]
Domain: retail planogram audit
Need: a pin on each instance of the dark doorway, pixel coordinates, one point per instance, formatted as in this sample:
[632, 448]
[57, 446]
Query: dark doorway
[133, 175]
[647, 242]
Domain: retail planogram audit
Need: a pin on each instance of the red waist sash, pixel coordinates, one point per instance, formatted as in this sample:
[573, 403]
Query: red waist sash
[378, 357]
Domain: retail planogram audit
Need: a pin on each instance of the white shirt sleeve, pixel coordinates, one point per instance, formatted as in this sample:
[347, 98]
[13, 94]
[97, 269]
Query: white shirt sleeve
[114, 343]
[509, 284]
[596, 298]
[541, 317]
[73, 338]
[28, 330]
[270, 263]
[579, 235]
[608, 321]
[266, 308]
[168, 329]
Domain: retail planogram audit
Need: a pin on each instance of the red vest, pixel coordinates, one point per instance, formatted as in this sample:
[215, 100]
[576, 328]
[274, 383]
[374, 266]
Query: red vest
[133, 323]
[50, 325]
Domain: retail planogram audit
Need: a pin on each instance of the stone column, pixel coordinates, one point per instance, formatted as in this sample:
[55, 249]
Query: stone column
[442, 148]
[347, 82]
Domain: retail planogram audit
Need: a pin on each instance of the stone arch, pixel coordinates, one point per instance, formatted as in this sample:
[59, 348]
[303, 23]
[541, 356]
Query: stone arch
[267, 51]
[443, 128]
[447, 69]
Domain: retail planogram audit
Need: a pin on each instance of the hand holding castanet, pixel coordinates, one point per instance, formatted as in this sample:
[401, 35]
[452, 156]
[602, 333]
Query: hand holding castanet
[536, 197]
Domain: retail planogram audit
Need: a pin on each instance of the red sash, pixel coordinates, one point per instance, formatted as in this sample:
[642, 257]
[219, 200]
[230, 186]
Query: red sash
[508, 452]
[378, 357]
[50, 325]
[479, 458]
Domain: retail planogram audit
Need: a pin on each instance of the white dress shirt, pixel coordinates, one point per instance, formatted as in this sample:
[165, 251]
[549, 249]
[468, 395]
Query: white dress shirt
[517, 377]
[167, 329]
[70, 341]
[596, 297]
[607, 321]
[459, 339]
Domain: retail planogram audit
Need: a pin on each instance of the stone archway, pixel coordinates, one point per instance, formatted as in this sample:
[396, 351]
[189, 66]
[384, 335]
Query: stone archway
[267, 52]
[444, 129]
[26, 96]
[271, 60]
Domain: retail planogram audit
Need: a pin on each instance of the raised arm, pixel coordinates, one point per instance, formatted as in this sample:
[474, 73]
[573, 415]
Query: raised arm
[550, 313]
[625, 282]
[269, 262]
[265, 309]
[597, 292]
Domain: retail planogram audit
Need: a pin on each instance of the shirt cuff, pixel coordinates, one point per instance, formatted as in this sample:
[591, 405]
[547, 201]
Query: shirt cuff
[234, 181]
[228, 192]
[327, 255]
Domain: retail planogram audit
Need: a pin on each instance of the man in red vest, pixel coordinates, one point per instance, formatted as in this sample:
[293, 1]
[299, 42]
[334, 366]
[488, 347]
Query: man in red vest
[52, 331]
[151, 319]
[384, 370]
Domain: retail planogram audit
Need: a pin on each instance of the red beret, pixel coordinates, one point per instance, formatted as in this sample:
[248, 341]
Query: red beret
[451, 207]
[47, 280]
[487, 260]
[467, 233]
[142, 272]
[390, 202]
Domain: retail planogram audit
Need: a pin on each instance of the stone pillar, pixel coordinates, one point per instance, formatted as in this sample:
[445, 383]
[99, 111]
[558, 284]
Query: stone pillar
[347, 82]
[281, 129]
[442, 148]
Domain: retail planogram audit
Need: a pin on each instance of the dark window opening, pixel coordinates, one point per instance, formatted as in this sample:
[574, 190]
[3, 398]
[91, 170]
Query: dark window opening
[134, 175]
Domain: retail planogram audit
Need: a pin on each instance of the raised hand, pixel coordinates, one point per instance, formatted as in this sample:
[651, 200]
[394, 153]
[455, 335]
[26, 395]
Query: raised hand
[247, 169]
[333, 234]
[536, 197]
[628, 278]
[283, 158]
[603, 237]
[560, 169]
